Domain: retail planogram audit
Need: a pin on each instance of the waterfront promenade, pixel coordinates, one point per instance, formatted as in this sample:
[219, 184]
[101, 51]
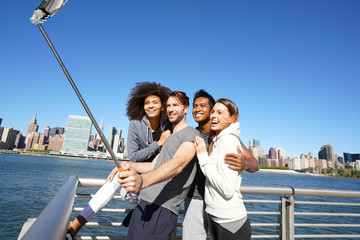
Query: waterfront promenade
[28, 183]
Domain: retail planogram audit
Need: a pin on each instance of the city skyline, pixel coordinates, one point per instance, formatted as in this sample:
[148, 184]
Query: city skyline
[291, 67]
[252, 142]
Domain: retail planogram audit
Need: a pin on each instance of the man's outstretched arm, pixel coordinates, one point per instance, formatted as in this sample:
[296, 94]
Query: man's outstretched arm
[134, 182]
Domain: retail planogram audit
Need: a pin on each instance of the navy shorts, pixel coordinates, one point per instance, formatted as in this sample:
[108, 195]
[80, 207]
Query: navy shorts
[150, 221]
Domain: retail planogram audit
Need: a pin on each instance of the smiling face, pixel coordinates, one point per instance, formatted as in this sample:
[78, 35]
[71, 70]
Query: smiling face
[153, 106]
[175, 110]
[220, 118]
[201, 110]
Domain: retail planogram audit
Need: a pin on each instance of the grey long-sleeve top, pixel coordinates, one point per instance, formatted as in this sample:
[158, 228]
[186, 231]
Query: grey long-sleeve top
[140, 143]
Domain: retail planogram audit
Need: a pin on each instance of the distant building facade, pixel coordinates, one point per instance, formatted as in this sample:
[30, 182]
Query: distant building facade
[56, 142]
[351, 157]
[327, 152]
[77, 135]
[8, 138]
[32, 127]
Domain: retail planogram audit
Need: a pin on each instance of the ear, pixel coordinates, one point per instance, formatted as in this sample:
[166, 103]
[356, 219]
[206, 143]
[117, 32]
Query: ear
[186, 109]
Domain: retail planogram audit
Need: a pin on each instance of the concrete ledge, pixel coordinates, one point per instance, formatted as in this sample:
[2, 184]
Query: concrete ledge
[26, 227]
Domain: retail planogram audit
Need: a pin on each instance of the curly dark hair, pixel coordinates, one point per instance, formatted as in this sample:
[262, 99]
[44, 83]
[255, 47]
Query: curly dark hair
[135, 105]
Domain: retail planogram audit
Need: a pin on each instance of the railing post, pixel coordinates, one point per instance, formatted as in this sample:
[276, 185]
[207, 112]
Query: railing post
[287, 218]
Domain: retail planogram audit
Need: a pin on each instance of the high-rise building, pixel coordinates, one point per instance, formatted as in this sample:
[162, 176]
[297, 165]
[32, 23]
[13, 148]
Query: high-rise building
[280, 152]
[19, 141]
[56, 130]
[327, 152]
[77, 135]
[341, 160]
[256, 142]
[351, 157]
[8, 138]
[56, 142]
[272, 153]
[257, 152]
[33, 127]
[115, 140]
[47, 132]
[1, 131]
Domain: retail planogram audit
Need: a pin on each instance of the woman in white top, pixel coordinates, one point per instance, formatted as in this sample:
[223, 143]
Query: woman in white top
[224, 205]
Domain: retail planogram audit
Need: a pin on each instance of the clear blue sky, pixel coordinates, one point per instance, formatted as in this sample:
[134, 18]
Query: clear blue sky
[292, 67]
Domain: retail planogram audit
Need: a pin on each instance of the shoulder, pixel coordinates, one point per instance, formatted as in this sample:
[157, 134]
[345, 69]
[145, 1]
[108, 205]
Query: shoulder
[192, 131]
[188, 134]
[135, 126]
[229, 141]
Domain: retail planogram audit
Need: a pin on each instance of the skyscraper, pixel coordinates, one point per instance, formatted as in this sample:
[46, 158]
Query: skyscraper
[272, 153]
[256, 142]
[47, 132]
[280, 152]
[77, 135]
[327, 152]
[8, 138]
[33, 127]
[115, 140]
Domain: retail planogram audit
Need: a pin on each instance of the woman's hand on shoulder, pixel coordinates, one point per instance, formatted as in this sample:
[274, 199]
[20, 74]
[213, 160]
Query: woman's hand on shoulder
[163, 137]
[200, 145]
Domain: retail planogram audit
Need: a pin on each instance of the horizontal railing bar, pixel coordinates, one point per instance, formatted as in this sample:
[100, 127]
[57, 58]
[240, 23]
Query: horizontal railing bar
[101, 237]
[299, 192]
[326, 225]
[91, 182]
[328, 203]
[81, 195]
[265, 224]
[107, 224]
[264, 236]
[263, 213]
[96, 183]
[326, 214]
[261, 201]
[118, 210]
[327, 236]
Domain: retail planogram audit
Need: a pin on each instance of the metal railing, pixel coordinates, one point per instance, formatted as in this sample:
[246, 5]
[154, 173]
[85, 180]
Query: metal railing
[283, 227]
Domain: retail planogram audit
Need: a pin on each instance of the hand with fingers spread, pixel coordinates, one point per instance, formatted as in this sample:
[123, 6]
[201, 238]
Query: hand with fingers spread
[200, 145]
[241, 161]
[235, 161]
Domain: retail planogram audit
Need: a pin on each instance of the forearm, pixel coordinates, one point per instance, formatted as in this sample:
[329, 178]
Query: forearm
[251, 164]
[164, 172]
[171, 168]
[141, 167]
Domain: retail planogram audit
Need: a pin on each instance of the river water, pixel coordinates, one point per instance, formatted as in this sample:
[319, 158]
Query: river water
[28, 183]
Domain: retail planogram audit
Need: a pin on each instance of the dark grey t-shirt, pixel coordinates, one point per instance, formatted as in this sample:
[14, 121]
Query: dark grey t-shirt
[170, 193]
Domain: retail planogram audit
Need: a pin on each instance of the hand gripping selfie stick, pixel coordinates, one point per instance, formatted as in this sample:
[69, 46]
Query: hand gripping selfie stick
[45, 10]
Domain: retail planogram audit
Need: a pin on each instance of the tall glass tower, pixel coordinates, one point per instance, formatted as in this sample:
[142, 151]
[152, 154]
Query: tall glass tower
[77, 135]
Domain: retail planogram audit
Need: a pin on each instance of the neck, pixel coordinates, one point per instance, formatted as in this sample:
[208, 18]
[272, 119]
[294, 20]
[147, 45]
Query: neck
[153, 123]
[204, 127]
[180, 125]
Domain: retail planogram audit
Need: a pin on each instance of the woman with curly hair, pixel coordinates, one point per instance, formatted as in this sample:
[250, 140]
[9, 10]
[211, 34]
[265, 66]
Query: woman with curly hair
[148, 130]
